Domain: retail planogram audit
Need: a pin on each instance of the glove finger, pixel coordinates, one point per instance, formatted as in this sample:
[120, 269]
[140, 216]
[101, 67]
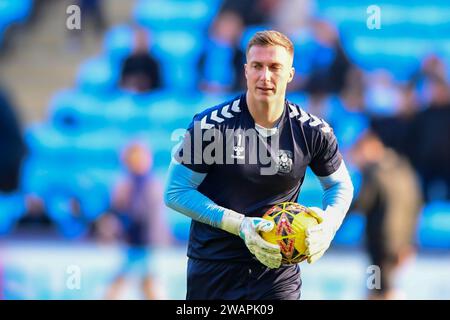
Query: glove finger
[314, 249]
[270, 260]
[255, 240]
[314, 244]
[252, 248]
[313, 241]
[268, 255]
[314, 230]
[315, 257]
[267, 246]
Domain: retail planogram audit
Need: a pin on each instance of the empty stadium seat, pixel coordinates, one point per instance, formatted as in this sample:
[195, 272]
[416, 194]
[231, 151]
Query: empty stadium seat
[97, 74]
[351, 232]
[311, 191]
[88, 149]
[13, 11]
[249, 32]
[75, 111]
[174, 14]
[60, 186]
[12, 206]
[407, 32]
[178, 51]
[434, 226]
[118, 42]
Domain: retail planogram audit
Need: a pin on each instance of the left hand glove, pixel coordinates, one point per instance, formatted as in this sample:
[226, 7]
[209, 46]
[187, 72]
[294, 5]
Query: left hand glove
[319, 237]
[267, 253]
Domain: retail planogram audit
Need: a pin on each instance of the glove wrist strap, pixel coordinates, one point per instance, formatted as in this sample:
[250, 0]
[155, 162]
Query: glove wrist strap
[231, 221]
[334, 217]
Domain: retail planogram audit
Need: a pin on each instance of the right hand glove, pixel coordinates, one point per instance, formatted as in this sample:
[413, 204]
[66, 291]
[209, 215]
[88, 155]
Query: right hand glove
[267, 253]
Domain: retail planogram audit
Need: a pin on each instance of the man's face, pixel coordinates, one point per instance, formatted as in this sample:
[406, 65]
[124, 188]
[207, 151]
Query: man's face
[268, 71]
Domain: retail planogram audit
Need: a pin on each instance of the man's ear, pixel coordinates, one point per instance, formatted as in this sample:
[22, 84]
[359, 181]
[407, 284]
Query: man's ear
[245, 70]
[291, 74]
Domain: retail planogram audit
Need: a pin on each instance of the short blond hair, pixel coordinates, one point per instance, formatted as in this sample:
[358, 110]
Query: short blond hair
[271, 38]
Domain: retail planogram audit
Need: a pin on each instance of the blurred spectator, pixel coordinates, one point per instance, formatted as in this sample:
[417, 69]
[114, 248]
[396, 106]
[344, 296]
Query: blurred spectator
[35, 221]
[408, 101]
[326, 65]
[429, 140]
[140, 70]
[390, 197]
[292, 16]
[346, 113]
[382, 97]
[252, 12]
[12, 146]
[221, 64]
[137, 203]
[394, 130]
[76, 223]
[432, 66]
[106, 229]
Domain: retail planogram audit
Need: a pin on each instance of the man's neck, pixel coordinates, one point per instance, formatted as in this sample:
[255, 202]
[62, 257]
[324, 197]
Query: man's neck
[265, 114]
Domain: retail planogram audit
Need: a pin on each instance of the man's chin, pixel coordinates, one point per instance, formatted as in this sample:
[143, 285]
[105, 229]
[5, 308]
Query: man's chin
[265, 97]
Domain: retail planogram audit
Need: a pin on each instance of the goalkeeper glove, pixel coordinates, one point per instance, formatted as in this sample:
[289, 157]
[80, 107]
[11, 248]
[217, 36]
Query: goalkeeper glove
[247, 228]
[319, 237]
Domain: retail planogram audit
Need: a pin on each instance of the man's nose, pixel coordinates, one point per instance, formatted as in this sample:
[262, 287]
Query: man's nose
[265, 74]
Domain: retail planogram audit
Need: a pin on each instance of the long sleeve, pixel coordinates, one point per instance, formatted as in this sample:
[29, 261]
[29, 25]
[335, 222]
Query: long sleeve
[182, 195]
[337, 194]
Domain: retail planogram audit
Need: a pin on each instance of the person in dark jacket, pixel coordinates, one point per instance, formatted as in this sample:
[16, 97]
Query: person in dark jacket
[12, 146]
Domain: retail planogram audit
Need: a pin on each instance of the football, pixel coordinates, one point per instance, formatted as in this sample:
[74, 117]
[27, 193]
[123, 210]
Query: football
[291, 221]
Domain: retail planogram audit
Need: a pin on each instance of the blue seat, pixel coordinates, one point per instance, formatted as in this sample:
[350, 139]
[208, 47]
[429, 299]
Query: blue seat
[351, 232]
[76, 111]
[349, 128]
[298, 98]
[170, 109]
[173, 14]
[97, 74]
[44, 140]
[96, 149]
[311, 191]
[30, 175]
[12, 11]
[179, 224]
[249, 32]
[397, 46]
[118, 42]
[59, 207]
[60, 190]
[162, 159]
[12, 206]
[178, 51]
[434, 226]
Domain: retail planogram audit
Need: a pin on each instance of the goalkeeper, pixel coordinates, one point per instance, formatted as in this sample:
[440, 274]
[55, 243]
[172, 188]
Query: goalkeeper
[242, 157]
